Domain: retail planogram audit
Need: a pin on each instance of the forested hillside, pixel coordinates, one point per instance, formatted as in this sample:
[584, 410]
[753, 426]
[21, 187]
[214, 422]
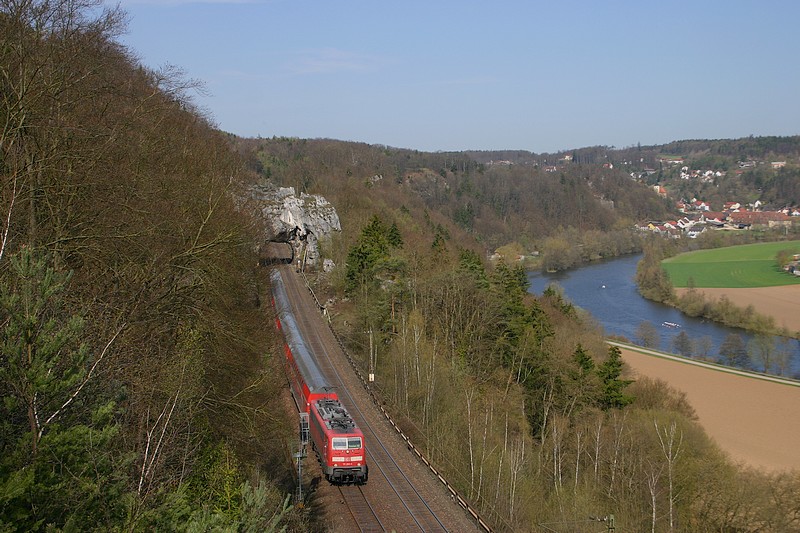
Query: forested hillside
[135, 391]
[491, 205]
[641, 156]
[571, 207]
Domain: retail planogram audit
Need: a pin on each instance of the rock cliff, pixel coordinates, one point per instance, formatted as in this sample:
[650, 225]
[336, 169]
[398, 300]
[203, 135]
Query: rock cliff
[302, 221]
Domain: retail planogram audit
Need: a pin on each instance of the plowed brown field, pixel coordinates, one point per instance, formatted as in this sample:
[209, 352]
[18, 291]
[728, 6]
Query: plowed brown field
[782, 303]
[757, 422]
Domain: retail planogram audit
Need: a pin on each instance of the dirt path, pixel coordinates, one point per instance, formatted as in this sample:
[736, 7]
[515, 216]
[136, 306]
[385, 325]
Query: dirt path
[755, 421]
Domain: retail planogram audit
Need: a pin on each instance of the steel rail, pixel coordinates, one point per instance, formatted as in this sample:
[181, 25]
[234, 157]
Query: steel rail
[361, 510]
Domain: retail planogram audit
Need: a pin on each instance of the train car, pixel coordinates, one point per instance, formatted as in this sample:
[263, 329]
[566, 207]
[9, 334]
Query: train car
[305, 378]
[338, 442]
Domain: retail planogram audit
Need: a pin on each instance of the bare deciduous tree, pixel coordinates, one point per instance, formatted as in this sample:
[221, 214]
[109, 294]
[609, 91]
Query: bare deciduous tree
[671, 441]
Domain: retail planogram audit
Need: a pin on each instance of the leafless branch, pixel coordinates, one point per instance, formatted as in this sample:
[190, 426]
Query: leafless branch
[8, 218]
[83, 383]
[149, 460]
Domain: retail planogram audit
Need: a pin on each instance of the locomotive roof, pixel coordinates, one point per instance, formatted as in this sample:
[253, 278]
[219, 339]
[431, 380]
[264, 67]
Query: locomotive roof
[312, 375]
[335, 416]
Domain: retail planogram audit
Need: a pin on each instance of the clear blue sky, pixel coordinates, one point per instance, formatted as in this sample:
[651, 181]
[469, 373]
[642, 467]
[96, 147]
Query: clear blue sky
[459, 75]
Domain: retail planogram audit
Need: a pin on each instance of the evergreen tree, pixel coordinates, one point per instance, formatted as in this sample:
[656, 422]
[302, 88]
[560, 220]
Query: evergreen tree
[44, 360]
[470, 263]
[510, 285]
[584, 360]
[54, 422]
[393, 237]
[613, 395]
[554, 295]
[373, 247]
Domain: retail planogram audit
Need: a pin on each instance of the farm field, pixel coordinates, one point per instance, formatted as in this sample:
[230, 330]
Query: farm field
[747, 417]
[737, 267]
[781, 302]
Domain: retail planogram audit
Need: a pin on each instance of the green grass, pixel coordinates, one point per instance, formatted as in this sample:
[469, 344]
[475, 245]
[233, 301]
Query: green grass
[750, 265]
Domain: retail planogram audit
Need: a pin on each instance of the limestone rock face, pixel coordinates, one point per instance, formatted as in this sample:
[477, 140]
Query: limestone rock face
[303, 221]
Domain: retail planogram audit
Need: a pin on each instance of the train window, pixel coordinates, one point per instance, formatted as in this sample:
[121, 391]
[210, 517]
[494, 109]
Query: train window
[340, 443]
[354, 442]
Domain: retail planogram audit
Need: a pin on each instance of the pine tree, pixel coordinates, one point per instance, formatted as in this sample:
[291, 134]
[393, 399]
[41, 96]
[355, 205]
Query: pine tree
[374, 245]
[613, 396]
[50, 416]
[584, 360]
[43, 358]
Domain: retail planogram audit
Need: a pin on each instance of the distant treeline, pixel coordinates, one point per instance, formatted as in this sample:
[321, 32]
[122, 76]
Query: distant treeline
[639, 156]
[745, 166]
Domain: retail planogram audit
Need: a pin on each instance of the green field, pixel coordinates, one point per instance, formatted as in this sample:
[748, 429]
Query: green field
[750, 265]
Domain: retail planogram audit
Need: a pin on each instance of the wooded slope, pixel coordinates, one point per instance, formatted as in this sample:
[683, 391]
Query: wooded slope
[135, 391]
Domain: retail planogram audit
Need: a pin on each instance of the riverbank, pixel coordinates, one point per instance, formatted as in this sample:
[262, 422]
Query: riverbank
[749, 418]
[781, 303]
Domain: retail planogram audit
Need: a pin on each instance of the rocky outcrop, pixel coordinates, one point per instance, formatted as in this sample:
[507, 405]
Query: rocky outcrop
[302, 221]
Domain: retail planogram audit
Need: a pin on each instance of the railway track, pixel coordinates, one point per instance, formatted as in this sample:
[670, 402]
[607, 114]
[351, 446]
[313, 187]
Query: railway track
[390, 500]
[362, 512]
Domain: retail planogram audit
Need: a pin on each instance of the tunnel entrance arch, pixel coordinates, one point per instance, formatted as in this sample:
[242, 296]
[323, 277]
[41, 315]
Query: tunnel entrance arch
[276, 252]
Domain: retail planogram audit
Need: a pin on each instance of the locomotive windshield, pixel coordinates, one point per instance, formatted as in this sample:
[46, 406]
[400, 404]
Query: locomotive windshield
[342, 443]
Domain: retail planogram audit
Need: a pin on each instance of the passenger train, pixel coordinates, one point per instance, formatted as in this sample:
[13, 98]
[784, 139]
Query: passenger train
[337, 440]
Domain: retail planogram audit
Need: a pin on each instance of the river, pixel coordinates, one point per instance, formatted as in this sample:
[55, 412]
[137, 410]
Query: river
[607, 290]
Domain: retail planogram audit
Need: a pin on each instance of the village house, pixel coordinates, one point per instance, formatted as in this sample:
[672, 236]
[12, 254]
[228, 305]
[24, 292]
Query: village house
[666, 229]
[696, 230]
[714, 218]
[768, 219]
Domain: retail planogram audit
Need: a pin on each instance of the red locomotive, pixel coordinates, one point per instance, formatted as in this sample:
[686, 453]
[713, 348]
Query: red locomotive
[338, 442]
